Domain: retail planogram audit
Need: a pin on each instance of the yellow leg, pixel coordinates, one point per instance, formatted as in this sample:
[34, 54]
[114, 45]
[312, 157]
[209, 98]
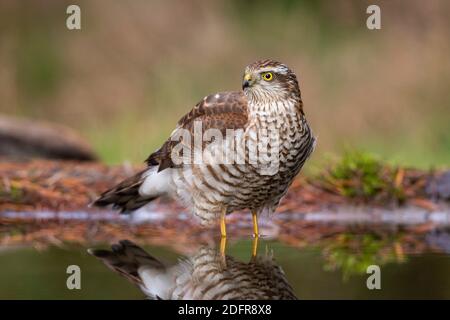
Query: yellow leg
[255, 224]
[223, 239]
[223, 225]
[255, 247]
[223, 246]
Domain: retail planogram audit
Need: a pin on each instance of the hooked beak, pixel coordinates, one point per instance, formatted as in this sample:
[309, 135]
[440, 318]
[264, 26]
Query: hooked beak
[247, 81]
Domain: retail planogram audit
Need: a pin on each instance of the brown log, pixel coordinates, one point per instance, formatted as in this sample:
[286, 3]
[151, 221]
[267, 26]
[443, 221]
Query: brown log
[22, 139]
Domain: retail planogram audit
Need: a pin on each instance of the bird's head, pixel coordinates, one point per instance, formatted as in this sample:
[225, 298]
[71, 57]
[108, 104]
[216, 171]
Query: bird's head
[270, 80]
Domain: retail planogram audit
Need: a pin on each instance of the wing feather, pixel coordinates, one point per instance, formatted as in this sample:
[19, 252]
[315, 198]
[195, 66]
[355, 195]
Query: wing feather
[226, 110]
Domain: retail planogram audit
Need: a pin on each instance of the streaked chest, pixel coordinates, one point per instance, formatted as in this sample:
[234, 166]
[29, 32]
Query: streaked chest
[276, 126]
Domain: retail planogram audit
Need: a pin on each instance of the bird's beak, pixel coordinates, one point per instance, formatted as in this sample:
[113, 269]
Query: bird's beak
[247, 81]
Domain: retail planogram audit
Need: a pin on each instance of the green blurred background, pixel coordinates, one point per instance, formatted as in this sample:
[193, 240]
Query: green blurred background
[137, 66]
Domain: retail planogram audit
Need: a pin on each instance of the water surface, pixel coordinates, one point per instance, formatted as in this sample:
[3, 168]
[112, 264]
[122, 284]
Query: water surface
[334, 270]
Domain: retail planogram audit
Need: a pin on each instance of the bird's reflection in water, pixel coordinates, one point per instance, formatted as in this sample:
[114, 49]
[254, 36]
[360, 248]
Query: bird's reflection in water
[209, 274]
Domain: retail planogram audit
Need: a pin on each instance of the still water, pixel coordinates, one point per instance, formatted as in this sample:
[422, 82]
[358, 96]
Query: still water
[332, 268]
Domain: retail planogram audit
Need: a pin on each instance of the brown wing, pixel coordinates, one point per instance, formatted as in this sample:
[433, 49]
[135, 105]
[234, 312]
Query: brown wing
[226, 110]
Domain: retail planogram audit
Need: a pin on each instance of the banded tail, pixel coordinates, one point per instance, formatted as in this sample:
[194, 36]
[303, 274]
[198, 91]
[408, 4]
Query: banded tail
[133, 263]
[136, 191]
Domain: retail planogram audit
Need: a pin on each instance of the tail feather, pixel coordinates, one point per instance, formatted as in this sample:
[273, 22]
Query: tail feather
[126, 258]
[126, 196]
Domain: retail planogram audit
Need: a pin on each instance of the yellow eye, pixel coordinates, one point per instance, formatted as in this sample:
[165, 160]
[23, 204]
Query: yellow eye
[268, 76]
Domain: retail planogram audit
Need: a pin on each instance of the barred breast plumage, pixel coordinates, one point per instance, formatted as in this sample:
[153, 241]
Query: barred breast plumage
[206, 275]
[267, 114]
[207, 188]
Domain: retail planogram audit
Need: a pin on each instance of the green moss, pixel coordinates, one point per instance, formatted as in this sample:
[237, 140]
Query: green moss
[357, 174]
[362, 175]
[353, 253]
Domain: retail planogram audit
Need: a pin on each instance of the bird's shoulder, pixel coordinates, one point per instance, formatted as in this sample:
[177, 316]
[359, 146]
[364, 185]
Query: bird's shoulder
[230, 105]
[223, 110]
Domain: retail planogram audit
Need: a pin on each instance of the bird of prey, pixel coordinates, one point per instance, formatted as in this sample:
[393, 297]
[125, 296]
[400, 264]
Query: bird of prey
[203, 276]
[272, 141]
